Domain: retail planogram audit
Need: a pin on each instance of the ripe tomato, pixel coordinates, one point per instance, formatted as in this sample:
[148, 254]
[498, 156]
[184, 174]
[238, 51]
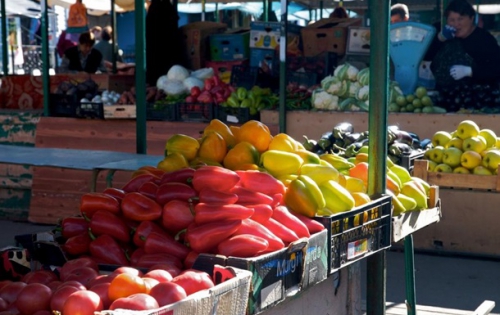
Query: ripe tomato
[150, 283]
[82, 303]
[129, 270]
[43, 312]
[9, 292]
[3, 283]
[73, 264]
[101, 279]
[3, 305]
[39, 276]
[73, 283]
[60, 296]
[173, 270]
[125, 285]
[33, 297]
[102, 290]
[167, 293]
[54, 285]
[193, 281]
[84, 275]
[135, 302]
[160, 275]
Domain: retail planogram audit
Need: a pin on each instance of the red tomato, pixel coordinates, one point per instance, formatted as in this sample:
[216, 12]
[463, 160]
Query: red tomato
[3, 283]
[193, 281]
[150, 283]
[135, 302]
[82, 303]
[129, 270]
[9, 292]
[73, 264]
[173, 270]
[60, 296]
[74, 283]
[84, 275]
[54, 285]
[167, 292]
[43, 312]
[33, 297]
[102, 290]
[160, 275]
[39, 276]
[3, 305]
[101, 279]
[125, 285]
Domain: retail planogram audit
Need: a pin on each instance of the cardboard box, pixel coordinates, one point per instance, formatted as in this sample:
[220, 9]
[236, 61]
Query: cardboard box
[263, 58]
[316, 263]
[196, 40]
[327, 35]
[230, 46]
[266, 35]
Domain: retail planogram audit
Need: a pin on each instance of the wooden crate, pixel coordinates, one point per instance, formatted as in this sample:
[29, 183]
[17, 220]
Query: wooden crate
[465, 181]
[120, 112]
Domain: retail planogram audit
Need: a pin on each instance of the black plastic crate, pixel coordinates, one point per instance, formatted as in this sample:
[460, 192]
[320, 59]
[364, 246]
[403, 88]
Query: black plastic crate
[408, 160]
[235, 115]
[302, 78]
[161, 112]
[321, 65]
[90, 110]
[244, 76]
[63, 105]
[359, 233]
[197, 112]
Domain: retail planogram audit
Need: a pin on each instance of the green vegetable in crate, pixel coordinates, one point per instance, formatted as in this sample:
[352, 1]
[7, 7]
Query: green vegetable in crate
[233, 101]
[241, 92]
[363, 76]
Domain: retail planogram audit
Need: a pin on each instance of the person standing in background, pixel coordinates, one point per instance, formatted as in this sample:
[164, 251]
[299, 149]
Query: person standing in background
[339, 13]
[399, 13]
[105, 45]
[83, 57]
[97, 31]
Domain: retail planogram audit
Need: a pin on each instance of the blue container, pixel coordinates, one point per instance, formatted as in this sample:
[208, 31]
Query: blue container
[230, 46]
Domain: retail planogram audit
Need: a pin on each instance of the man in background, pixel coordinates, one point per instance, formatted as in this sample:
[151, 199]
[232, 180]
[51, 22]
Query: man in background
[399, 13]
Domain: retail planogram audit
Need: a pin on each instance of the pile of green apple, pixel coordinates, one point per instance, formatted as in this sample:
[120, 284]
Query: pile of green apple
[418, 102]
[467, 150]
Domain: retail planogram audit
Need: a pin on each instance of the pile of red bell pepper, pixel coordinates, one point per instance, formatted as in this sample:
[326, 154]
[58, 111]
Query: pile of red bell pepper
[167, 219]
[214, 91]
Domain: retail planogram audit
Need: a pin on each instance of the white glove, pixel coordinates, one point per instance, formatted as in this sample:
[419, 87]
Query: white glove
[459, 72]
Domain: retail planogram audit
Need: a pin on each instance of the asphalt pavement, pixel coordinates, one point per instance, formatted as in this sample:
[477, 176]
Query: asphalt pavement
[441, 281]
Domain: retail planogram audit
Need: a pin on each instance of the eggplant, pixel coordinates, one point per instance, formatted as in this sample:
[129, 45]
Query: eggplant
[426, 144]
[351, 138]
[309, 144]
[399, 148]
[342, 129]
[353, 149]
[404, 137]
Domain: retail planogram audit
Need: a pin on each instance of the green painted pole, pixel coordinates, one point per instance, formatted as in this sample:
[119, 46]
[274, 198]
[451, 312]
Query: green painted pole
[45, 57]
[283, 79]
[5, 42]
[203, 9]
[377, 152]
[411, 299]
[265, 5]
[321, 5]
[217, 12]
[140, 76]
[114, 36]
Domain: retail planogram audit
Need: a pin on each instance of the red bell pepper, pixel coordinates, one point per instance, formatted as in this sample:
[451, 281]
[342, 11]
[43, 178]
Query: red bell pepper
[208, 84]
[165, 244]
[136, 182]
[312, 225]
[205, 238]
[285, 217]
[136, 255]
[73, 264]
[149, 169]
[262, 212]
[174, 191]
[190, 259]
[114, 192]
[261, 182]
[149, 260]
[106, 249]
[243, 245]
[281, 231]
[205, 213]
[77, 245]
[214, 177]
[136, 206]
[148, 189]
[176, 216]
[92, 202]
[195, 91]
[246, 196]
[105, 222]
[183, 175]
[72, 226]
[277, 200]
[213, 196]
[143, 230]
[255, 228]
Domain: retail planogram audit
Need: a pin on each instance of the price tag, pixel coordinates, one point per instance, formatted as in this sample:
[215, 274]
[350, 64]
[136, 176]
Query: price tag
[357, 248]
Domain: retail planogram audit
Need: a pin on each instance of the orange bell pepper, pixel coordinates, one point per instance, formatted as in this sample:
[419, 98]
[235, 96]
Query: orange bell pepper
[212, 147]
[183, 144]
[222, 129]
[257, 134]
[239, 157]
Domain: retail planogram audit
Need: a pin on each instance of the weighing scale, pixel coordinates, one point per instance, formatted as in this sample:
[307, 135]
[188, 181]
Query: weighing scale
[409, 42]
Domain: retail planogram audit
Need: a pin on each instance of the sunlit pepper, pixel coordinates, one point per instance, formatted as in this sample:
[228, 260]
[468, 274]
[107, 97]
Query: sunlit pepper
[212, 147]
[337, 198]
[222, 129]
[308, 156]
[283, 142]
[257, 133]
[319, 173]
[185, 145]
[173, 162]
[303, 196]
[279, 163]
[242, 154]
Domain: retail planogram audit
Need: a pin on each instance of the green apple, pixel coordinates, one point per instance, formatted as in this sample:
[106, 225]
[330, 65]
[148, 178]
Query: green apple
[491, 159]
[451, 156]
[420, 92]
[490, 137]
[426, 101]
[409, 108]
[417, 110]
[474, 144]
[467, 129]
[417, 103]
[455, 142]
[470, 159]
[431, 165]
[461, 170]
[481, 170]
[410, 98]
[443, 168]
[440, 138]
[436, 154]
[393, 107]
[401, 100]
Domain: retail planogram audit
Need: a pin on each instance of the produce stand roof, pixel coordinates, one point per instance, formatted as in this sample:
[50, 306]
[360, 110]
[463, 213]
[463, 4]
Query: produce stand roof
[29, 8]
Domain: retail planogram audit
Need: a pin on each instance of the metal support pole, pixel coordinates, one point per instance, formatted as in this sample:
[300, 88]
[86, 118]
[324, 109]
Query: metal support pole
[265, 5]
[377, 126]
[5, 42]
[283, 79]
[140, 76]
[321, 5]
[203, 9]
[217, 19]
[114, 37]
[45, 57]
[411, 300]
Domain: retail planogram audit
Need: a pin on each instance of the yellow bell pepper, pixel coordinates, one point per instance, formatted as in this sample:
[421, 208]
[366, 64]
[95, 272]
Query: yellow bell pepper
[287, 179]
[319, 173]
[303, 196]
[337, 198]
[222, 129]
[256, 133]
[308, 156]
[283, 142]
[172, 162]
[279, 163]
[185, 145]
[239, 157]
[212, 147]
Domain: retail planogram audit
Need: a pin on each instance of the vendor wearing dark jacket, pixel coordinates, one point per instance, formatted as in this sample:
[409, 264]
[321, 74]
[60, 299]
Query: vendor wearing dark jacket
[462, 51]
[83, 57]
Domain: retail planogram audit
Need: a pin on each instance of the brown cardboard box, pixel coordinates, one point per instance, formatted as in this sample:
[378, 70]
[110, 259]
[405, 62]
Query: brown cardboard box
[327, 35]
[196, 41]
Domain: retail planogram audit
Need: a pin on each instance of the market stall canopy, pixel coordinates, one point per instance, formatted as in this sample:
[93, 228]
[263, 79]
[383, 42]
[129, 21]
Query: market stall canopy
[29, 8]
[96, 7]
